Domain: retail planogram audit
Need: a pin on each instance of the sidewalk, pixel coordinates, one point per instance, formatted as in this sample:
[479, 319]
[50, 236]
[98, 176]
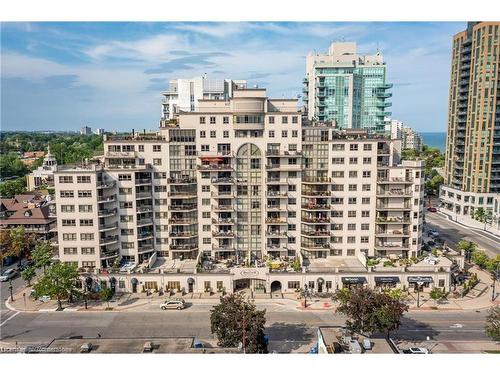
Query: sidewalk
[470, 223]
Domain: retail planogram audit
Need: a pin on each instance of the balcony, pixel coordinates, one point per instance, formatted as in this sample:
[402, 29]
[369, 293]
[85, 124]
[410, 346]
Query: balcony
[144, 222]
[283, 154]
[222, 194]
[144, 195]
[277, 181]
[145, 235]
[143, 181]
[316, 233]
[106, 227]
[316, 246]
[108, 199]
[182, 194]
[215, 167]
[106, 184]
[277, 234]
[391, 246]
[109, 254]
[188, 234]
[395, 180]
[106, 213]
[183, 207]
[181, 181]
[222, 180]
[384, 95]
[223, 234]
[284, 167]
[222, 207]
[182, 221]
[277, 207]
[221, 221]
[393, 220]
[316, 193]
[142, 209]
[145, 248]
[108, 240]
[183, 247]
[393, 233]
[275, 220]
[316, 180]
[386, 207]
[316, 207]
[315, 220]
[276, 194]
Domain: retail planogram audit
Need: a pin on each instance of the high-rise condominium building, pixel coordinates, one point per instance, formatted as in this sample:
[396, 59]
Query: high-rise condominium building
[347, 88]
[184, 94]
[411, 139]
[243, 181]
[472, 167]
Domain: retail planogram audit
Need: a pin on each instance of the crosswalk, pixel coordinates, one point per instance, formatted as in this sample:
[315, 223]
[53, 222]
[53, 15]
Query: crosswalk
[6, 315]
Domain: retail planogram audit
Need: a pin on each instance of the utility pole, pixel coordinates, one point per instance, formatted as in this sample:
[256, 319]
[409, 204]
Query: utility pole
[10, 288]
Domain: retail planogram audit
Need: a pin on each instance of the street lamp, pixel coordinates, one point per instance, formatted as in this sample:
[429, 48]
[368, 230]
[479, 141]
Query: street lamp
[494, 277]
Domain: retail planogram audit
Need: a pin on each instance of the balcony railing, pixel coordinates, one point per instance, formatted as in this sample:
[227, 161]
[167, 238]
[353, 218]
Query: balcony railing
[110, 198]
[183, 207]
[105, 213]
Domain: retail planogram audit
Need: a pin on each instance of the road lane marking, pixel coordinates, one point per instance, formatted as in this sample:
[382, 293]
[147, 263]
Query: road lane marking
[9, 318]
[473, 230]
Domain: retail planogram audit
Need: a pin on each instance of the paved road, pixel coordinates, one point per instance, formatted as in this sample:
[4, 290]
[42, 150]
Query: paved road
[289, 329]
[452, 233]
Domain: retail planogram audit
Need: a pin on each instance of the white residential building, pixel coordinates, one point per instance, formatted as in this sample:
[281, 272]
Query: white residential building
[184, 94]
[244, 182]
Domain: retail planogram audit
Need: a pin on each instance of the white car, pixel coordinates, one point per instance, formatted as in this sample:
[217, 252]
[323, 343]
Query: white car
[434, 233]
[8, 274]
[178, 304]
[416, 351]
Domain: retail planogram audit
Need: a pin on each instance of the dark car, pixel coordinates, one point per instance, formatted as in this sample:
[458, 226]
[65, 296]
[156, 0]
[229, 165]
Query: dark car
[432, 209]
[25, 264]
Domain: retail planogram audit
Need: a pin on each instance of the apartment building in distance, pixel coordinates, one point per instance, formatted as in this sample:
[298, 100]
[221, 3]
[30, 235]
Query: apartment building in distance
[244, 194]
[472, 163]
[347, 87]
[411, 139]
[183, 94]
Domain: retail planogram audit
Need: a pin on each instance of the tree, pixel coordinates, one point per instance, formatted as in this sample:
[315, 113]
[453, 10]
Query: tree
[492, 327]
[236, 320]
[369, 311]
[58, 281]
[493, 264]
[106, 294]
[17, 242]
[480, 258]
[11, 188]
[28, 274]
[42, 254]
[436, 294]
[468, 247]
[434, 183]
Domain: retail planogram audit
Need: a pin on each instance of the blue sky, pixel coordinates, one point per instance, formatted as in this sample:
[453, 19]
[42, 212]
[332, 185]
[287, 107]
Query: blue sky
[60, 76]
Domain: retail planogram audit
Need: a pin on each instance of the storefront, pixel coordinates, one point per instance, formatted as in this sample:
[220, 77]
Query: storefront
[385, 282]
[353, 281]
[420, 282]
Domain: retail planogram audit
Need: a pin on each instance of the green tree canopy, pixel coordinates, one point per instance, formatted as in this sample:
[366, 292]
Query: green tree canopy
[10, 188]
[468, 247]
[28, 274]
[369, 311]
[236, 320]
[58, 281]
[492, 327]
[42, 254]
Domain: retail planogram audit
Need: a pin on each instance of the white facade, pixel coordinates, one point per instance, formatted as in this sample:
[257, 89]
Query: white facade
[411, 139]
[394, 128]
[184, 94]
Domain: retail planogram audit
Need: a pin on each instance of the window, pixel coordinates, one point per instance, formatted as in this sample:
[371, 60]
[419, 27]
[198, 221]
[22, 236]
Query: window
[284, 133]
[205, 148]
[351, 213]
[271, 119]
[351, 226]
[353, 160]
[338, 174]
[352, 200]
[141, 148]
[294, 285]
[84, 193]
[205, 214]
[271, 133]
[88, 250]
[367, 160]
[295, 133]
[225, 120]
[365, 226]
[212, 120]
[367, 174]
[206, 228]
[338, 161]
[65, 179]
[353, 147]
[365, 213]
[367, 147]
[126, 205]
[353, 187]
[338, 147]
[364, 239]
[67, 208]
[125, 191]
[205, 202]
[124, 177]
[365, 200]
[86, 222]
[70, 251]
[207, 240]
[212, 134]
[351, 239]
[69, 236]
[66, 194]
[367, 187]
[68, 222]
[156, 161]
[295, 119]
[203, 134]
[86, 236]
[353, 174]
[156, 148]
[351, 252]
[202, 119]
[225, 134]
[284, 119]
[83, 179]
[85, 208]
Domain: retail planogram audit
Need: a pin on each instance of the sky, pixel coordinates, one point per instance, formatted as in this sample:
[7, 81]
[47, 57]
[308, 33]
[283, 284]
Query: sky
[61, 76]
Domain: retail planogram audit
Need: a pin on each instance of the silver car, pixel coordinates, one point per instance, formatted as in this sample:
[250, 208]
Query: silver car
[8, 274]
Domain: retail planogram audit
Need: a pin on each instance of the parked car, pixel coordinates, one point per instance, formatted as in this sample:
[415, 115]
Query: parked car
[432, 209]
[198, 345]
[8, 274]
[433, 233]
[177, 303]
[416, 351]
[148, 347]
[367, 345]
[86, 347]
[25, 264]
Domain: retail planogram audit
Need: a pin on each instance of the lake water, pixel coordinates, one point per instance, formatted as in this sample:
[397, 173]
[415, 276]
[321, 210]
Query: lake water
[437, 139]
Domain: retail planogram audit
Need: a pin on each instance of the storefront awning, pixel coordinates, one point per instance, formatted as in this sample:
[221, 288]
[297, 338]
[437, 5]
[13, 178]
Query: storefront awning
[420, 279]
[354, 280]
[386, 279]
